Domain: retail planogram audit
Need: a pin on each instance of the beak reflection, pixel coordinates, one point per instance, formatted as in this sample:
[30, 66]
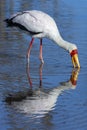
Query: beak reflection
[74, 76]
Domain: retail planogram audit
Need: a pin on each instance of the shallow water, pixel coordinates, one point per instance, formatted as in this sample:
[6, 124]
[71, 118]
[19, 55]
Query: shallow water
[35, 97]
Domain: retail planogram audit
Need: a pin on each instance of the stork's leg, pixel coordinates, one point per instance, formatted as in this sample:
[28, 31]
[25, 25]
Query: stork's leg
[40, 56]
[29, 48]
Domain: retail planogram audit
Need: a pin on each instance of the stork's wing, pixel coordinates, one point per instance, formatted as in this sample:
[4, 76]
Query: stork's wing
[28, 20]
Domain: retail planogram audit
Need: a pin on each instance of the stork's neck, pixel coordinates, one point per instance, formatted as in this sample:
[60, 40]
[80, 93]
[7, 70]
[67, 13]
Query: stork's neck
[64, 44]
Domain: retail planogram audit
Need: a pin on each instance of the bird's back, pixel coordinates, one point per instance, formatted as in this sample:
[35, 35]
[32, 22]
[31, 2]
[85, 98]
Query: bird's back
[36, 21]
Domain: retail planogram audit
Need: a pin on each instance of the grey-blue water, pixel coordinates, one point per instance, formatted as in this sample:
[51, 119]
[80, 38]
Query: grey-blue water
[48, 97]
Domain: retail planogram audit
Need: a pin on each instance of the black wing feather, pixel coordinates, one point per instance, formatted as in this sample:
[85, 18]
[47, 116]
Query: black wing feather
[10, 23]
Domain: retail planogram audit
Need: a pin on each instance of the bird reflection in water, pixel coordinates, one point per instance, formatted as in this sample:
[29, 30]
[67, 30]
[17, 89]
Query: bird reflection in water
[39, 102]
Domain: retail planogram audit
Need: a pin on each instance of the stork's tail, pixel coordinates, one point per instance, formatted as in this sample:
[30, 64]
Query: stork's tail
[9, 22]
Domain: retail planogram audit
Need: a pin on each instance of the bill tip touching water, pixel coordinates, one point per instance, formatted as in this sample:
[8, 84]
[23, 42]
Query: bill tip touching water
[39, 25]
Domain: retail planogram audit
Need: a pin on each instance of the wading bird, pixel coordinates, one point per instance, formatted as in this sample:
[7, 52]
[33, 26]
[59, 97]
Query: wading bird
[40, 25]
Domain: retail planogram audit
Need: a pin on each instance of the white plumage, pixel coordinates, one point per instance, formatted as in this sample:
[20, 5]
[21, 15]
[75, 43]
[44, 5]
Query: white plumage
[39, 25]
[36, 22]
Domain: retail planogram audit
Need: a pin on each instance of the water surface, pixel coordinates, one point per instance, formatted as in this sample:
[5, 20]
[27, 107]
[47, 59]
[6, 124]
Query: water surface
[48, 97]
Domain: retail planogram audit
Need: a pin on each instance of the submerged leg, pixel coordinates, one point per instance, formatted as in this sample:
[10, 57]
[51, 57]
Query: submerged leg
[29, 48]
[40, 56]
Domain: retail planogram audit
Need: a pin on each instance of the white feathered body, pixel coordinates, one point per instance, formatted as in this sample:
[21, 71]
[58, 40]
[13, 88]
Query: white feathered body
[37, 22]
[39, 25]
